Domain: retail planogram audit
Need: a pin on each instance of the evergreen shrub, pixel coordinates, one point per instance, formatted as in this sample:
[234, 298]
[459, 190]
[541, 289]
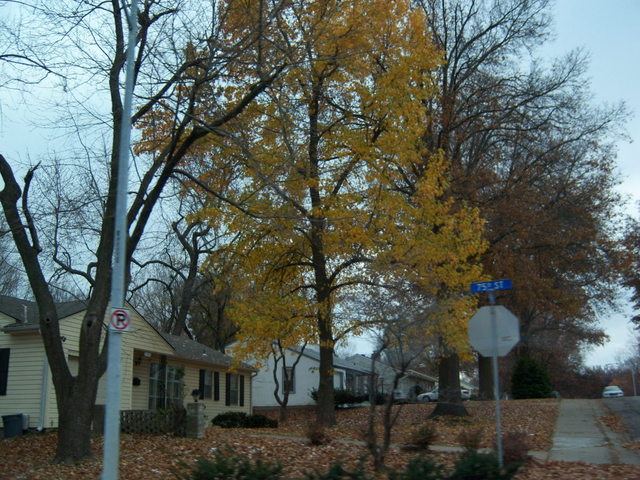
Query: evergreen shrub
[530, 379]
[242, 420]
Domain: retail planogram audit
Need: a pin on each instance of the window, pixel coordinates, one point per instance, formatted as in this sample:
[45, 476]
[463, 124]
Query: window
[288, 380]
[235, 389]
[4, 369]
[206, 383]
[156, 386]
[174, 385]
[165, 385]
[232, 388]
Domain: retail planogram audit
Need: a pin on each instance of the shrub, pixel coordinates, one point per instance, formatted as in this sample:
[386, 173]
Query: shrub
[227, 466]
[317, 435]
[530, 379]
[346, 397]
[242, 420]
[419, 469]
[229, 419]
[260, 421]
[515, 448]
[338, 472]
[342, 397]
[481, 466]
[422, 438]
[471, 439]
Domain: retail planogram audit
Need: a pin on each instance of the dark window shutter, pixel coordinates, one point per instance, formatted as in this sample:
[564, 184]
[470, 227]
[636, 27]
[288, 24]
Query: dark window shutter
[201, 385]
[216, 386]
[242, 390]
[227, 396]
[4, 369]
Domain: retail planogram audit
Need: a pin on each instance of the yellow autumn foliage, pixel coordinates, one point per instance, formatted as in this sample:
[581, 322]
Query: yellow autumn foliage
[312, 176]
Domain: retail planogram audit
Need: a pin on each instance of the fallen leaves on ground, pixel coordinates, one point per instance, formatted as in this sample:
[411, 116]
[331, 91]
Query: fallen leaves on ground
[534, 417]
[613, 423]
[157, 457]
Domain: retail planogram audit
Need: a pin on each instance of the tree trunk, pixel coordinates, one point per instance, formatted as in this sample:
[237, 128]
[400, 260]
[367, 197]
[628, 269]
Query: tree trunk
[325, 412]
[449, 398]
[282, 412]
[74, 430]
[485, 372]
[76, 396]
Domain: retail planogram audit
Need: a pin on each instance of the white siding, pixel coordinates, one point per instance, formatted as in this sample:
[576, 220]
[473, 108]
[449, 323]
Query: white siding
[307, 377]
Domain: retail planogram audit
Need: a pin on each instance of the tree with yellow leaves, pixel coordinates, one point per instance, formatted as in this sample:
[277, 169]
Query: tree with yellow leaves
[312, 166]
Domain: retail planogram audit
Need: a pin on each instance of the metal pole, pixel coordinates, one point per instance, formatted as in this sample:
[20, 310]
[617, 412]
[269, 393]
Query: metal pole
[111, 459]
[496, 378]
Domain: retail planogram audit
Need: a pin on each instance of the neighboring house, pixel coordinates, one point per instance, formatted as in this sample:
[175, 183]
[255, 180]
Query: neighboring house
[409, 385]
[305, 378]
[352, 374]
[158, 369]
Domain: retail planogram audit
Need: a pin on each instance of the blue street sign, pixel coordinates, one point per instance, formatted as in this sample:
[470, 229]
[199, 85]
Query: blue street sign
[490, 286]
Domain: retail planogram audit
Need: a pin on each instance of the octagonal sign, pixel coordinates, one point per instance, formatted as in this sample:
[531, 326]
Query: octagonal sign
[481, 333]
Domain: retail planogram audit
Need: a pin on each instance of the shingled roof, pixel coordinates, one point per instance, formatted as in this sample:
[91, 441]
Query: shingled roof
[312, 352]
[191, 350]
[25, 312]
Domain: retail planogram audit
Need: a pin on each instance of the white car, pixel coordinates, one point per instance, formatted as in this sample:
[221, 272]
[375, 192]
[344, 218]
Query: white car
[399, 396]
[432, 396]
[612, 391]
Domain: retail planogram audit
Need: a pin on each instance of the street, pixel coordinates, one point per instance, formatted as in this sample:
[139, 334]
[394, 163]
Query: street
[628, 409]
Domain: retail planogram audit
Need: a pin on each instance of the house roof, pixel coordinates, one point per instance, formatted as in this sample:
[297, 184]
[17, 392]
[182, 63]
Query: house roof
[364, 362]
[191, 350]
[360, 361]
[16, 308]
[311, 352]
[25, 312]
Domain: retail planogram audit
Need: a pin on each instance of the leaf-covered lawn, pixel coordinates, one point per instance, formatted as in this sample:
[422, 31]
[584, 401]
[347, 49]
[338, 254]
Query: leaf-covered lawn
[156, 457]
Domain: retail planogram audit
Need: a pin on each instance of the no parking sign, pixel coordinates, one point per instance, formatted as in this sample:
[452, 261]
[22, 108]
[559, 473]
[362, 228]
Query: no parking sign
[120, 320]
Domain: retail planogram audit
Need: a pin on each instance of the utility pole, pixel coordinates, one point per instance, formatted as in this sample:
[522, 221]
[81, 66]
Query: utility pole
[119, 321]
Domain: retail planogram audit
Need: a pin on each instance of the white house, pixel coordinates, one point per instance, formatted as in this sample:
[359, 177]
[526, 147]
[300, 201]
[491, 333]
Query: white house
[353, 374]
[157, 368]
[410, 384]
[305, 378]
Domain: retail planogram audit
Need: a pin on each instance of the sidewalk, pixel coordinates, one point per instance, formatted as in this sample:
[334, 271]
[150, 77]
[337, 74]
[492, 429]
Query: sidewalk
[579, 437]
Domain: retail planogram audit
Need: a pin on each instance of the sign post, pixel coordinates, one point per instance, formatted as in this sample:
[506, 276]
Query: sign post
[120, 319]
[494, 331]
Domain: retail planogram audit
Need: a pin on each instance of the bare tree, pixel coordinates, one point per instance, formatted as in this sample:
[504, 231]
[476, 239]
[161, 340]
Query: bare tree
[279, 355]
[21, 63]
[170, 288]
[631, 266]
[9, 273]
[183, 49]
[175, 271]
[397, 339]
